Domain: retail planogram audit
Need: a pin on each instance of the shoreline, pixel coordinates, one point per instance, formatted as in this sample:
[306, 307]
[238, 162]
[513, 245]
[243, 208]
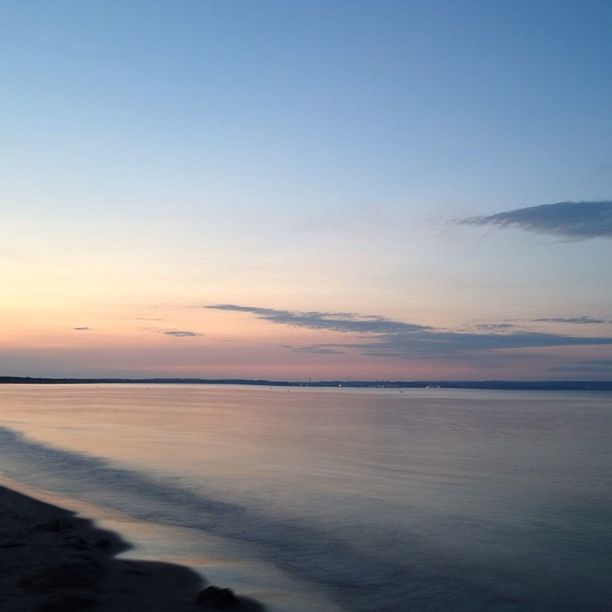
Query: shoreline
[52, 560]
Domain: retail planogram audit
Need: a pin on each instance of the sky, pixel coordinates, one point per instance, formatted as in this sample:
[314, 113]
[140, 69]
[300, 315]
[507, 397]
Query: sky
[294, 190]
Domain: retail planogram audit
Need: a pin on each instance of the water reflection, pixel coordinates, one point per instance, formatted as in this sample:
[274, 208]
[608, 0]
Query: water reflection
[457, 499]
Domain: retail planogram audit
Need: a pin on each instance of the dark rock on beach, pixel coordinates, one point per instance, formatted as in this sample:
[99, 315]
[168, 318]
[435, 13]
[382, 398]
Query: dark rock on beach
[217, 598]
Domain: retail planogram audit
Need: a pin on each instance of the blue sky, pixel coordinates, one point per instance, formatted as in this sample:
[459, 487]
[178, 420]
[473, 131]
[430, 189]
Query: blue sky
[303, 157]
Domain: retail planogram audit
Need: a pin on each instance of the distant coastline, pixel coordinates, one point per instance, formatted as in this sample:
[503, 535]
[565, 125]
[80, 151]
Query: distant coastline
[519, 385]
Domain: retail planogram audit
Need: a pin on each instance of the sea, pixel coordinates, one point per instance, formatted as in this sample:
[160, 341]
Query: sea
[337, 499]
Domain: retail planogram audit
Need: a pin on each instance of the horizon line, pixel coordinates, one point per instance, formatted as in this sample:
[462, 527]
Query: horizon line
[584, 384]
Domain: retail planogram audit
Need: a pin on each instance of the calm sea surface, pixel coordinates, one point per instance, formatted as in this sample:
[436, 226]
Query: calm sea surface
[339, 499]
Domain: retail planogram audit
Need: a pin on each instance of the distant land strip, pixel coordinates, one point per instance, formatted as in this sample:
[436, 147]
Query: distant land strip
[519, 385]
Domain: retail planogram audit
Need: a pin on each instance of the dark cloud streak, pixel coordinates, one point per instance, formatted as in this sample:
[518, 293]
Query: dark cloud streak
[441, 343]
[180, 333]
[332, 321]
[574, 220]
[495, 326]
[315, 349]
[579, 320]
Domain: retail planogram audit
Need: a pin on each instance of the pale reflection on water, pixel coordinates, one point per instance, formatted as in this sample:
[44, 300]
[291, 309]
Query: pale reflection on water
[373, 499]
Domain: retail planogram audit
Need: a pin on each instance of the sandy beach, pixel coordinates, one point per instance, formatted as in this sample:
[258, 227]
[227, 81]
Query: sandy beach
[54, 561]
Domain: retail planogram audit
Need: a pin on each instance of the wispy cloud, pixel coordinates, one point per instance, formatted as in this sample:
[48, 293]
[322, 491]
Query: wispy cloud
[82, 328]
[332, 321]
[315, 349]
[593, 366]
[387, 337]
[440, 343]
[180, 333]
[494, 326]
[575, 220]
[579, 320]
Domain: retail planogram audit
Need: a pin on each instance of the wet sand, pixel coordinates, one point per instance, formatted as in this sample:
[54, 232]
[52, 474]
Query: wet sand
[53, 561]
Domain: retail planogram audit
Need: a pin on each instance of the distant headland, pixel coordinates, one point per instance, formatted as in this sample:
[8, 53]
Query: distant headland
[519, 385]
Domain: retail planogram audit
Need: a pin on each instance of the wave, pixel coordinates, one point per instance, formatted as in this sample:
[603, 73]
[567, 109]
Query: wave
[350, 577]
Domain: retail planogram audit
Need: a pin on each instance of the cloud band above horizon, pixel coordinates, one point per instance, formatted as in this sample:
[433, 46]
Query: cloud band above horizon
[400, 339]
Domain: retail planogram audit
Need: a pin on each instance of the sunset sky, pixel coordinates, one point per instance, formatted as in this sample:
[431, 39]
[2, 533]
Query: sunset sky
[360, 190]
